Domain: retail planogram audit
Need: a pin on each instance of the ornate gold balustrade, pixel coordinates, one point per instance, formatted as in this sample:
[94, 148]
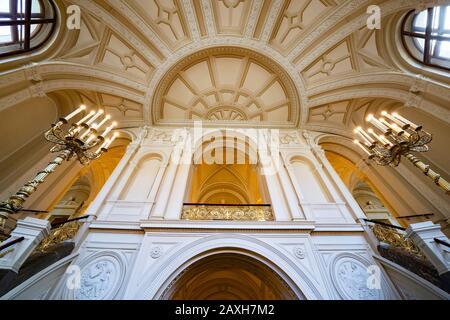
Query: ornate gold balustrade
[201, 211]
[64, 231]
[395, 238]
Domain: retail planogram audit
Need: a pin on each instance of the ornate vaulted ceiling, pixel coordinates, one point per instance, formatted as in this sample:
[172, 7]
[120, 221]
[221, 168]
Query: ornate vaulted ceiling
[301, 63]
[227, 84]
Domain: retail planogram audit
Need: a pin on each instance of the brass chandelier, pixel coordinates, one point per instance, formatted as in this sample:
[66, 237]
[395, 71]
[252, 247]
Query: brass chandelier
[396, 138]
[81, 140]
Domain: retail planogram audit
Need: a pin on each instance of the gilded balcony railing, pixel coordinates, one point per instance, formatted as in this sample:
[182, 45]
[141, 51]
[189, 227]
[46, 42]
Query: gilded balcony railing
[395, 238]
[246, 212]
[394, 246]
[61, 232]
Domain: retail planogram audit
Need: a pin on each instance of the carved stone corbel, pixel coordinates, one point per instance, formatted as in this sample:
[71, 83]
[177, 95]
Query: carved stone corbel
[32, 72]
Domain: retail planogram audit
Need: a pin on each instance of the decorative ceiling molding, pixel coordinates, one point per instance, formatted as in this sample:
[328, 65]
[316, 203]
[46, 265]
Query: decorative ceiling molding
[124, 49]
[58, 68]
[274, 12]
[387, 8]
[355, 93]
[208, 16]
[262, 50]
[408, 98]
[312, 35]
[231, 16]
[253, 18]
[191, 19]
[243, 97]
[125, 9]
[298, 17]
[119, 28]
[44, 87]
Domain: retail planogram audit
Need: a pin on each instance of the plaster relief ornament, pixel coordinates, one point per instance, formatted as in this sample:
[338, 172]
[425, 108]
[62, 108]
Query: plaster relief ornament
[350, 279]
[158, 135]
[289, 138]
[156, 252]
[96, 281]
[299, 253]
[101, 277]
[308, 137]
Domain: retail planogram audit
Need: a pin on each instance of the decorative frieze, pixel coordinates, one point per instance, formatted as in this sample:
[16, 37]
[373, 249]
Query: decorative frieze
[205, 212]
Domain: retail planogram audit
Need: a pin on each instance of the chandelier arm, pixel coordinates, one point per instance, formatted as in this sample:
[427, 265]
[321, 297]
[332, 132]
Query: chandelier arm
[425, 168]
[68, 143]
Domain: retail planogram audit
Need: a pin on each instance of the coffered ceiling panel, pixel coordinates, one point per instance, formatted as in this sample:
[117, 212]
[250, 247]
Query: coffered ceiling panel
[231, 15]
[344, 116]
[120, 108]
[227, 86]
[165, 17]
[297, 18]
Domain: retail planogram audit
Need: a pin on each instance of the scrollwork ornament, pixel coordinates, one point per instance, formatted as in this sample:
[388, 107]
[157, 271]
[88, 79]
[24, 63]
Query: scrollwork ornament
[249, 213]
[289, 138]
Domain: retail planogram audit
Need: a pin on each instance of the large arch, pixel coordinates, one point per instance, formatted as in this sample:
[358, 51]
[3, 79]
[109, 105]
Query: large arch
[245, 61]
[228, 276]
[299, 280]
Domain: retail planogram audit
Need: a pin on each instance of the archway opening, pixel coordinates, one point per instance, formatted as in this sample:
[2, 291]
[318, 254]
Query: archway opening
[229, 276]
[226, 180]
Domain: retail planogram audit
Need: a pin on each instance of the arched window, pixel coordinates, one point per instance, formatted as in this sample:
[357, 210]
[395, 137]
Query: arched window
[426, 36]
[25, 25]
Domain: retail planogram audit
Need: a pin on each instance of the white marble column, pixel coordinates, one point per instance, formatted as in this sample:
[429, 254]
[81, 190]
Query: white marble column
[348, 197]
[289, 189]
[163, 196]
[175, 206]
[116, 181]
[277, 198]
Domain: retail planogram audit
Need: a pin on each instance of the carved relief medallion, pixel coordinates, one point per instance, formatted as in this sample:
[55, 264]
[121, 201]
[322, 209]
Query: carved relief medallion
[349, 274]
[156, 252]
[101, 277]
[299, 253]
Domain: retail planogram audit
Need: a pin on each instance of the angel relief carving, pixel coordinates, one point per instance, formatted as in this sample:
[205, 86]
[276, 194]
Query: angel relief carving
[352, 281]
[96, 281]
